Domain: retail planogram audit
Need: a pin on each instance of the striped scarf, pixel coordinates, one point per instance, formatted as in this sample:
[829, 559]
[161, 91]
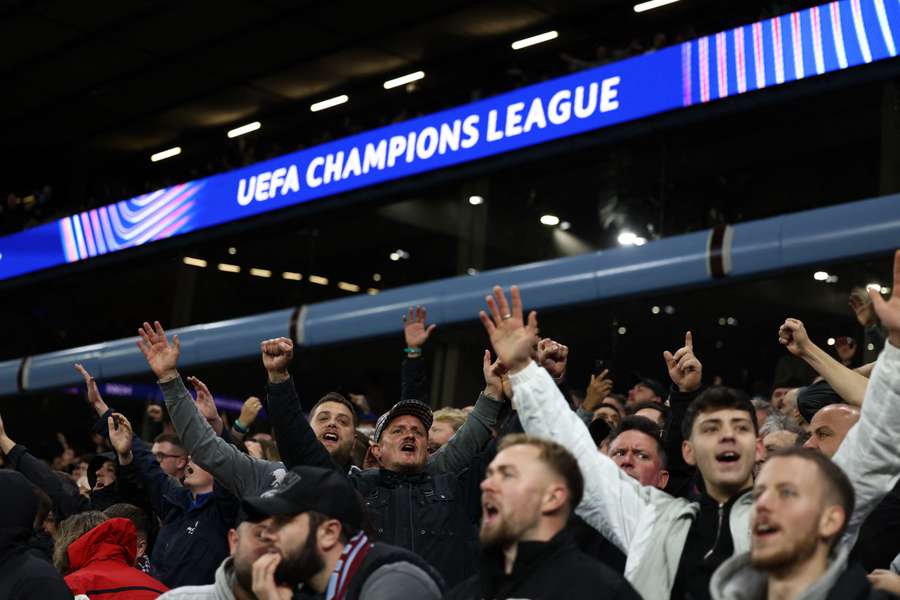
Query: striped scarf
[349, 563]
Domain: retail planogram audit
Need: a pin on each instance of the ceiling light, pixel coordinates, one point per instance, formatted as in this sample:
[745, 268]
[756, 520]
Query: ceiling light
[722, 321]
[550, 220]
[871, 346]
[655, 310]
[194, 262]
[318, 280]
[348, 287]
[292, 276]
[371, 291]
[232, 250]
[535, 39]
[329, 103]
[831, 341]
[875, 286]
[376, 277]
[392, 83]
[640, 241]
[622, 331]
[645, 6]
[229, 268]
[832, 279]
[244, 129]
[166, 154]
[472, 271]
[627, 238]
[565, 225]
[476, 200]
[885, 290]
[820, 276]
[260, 272]
[669, 310]
[394, 256]
[732, 321]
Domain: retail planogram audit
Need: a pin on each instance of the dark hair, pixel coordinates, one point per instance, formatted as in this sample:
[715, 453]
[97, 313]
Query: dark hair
[647, 427]
[840, 490]
[134, 514]
[621, 400]
[44, 506]
[170, 438]
[664, 410]
[717, 397]
[557, 458]
[70, 529]
[335, 397]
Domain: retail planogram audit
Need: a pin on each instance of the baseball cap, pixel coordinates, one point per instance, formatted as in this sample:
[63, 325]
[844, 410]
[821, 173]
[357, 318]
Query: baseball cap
[306, 489]
[415, 408]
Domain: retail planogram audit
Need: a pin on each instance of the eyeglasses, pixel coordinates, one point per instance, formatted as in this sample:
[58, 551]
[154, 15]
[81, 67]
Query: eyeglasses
[161, 456]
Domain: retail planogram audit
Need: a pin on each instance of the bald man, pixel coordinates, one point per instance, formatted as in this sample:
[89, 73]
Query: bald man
[829, 426]
[879, 537]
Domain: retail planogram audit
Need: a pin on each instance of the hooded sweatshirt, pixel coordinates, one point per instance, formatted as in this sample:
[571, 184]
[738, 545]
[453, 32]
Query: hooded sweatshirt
[101, 564]
[22, 575]
[222, 589]
[736, 579]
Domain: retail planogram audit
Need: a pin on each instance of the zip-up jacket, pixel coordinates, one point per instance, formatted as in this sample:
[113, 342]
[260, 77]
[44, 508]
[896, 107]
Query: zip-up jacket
[652, 527]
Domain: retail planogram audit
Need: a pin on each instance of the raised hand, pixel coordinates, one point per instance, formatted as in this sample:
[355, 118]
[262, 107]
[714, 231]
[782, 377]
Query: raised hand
[6, 444]
[493, 376]
[206, 405]
[415, 331]
[93, 391]
[514, 341]
[160, 354]
[553, 356]
[120, 436]
[155, 412]
[264, 586]
[685, 370]
[862, 307]
[792, 335]
[888, 311]
[250, 410]
[277, 354]
[598, 389]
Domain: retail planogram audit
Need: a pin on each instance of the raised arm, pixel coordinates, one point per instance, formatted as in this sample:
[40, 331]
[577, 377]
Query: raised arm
[686, 373]
[477, 432]
[870, 454]
[413, 379]
[297, 441]
[240, 474]
[847, 383]
[613, 503]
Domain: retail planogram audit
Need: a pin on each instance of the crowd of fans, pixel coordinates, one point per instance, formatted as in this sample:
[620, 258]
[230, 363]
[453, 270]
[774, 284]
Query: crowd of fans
[683, 491]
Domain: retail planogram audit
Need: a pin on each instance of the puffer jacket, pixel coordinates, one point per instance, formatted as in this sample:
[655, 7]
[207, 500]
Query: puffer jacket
[650, 526]
[101, 565]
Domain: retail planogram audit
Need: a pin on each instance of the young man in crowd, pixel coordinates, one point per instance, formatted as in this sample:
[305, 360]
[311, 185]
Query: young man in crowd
[234, 577]
[171, 455]
[195, 515]
[314, 526]
[530, 491]
[802, 504]
[673, 545]
[23, 576]
[447, 422]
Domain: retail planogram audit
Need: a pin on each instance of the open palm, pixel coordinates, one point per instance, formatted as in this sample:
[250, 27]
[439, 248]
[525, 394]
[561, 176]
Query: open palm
[888, 311]
[514, 341]
[160, 354]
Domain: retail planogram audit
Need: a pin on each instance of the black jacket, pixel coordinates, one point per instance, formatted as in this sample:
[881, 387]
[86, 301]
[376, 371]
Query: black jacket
[22, 575]
[544, 571]
[384, 554]
[434, 515]
[879, 536]
[193, 538]
[854, 585]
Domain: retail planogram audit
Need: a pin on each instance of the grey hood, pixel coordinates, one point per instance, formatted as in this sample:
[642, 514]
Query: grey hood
[736, 579]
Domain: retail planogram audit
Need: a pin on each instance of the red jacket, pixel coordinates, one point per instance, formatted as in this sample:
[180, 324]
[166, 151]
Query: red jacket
[101, 565]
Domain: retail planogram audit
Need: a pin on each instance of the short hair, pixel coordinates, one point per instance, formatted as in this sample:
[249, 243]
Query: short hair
[839, 488]
[760, 403]
[71, 529]
[169, 438]
[554, 456]
[340, 399]
[620, 399]
[779, 422]
[647, 427]
[455, 417]
[717, 397]
[664, 410]
[134, 514]
[269, 449]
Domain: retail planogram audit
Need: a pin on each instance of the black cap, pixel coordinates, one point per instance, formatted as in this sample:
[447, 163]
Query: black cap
[658, 388]
[415, 408]
[304, 489]
[97, 461]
